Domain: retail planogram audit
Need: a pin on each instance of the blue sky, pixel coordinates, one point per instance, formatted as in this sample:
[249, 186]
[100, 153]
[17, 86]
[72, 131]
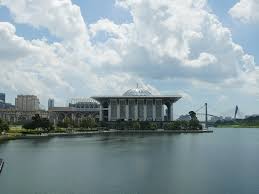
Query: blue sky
[116, 51]
[243, 34]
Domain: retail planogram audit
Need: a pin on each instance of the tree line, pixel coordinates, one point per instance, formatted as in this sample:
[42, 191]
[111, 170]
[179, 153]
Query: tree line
[252, 121]
[45, 125]
[193, 124]
[87, 122]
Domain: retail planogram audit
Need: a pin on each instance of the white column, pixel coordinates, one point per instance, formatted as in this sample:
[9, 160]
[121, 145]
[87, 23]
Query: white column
[109, 111]
[172, 112]
[127, 111]
[136, 110]
[145, 111]
[154, 110]
[73, 117]
[162, 113]
[118, 109]
[101, 113]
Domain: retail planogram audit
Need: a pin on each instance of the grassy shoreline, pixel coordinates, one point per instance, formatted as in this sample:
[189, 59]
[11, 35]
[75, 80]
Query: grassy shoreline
[236, 126]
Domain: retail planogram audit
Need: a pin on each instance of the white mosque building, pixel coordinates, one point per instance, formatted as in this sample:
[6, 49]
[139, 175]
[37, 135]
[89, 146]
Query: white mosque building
[136, 104]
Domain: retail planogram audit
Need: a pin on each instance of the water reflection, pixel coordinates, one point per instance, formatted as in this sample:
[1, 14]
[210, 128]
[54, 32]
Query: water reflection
[222, 162]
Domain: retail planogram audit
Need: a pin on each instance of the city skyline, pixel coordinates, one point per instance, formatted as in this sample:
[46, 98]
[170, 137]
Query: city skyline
[205, 51]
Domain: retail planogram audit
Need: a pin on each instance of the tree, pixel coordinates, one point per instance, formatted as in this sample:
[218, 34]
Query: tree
[184, 125]
[46, 125]
[39, 123]
[67, 122]
[152, 126]
[3, 126]
[148, 125]
[88, 122]
[136, 125]
[36, 117]
[177, 125]
[193, 115]
[194, 123]
[29, 125]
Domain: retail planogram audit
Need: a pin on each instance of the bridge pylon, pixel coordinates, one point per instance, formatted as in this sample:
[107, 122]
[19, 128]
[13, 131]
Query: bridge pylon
[206, 115]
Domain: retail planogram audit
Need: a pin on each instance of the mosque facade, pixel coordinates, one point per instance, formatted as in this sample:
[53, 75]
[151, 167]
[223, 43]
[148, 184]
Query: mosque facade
[136, 104]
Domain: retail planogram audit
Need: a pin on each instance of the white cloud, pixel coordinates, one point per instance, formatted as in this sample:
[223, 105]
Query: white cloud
[62, 18]
[222, 98]
[246, 11]
[186, 96]
[176, 39]
[167, 39]
[27, 66]
[54, 70]
[204, 59]
[12, 47]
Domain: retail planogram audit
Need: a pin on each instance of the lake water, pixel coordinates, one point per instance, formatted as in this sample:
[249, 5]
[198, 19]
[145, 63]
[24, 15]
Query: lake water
[223, 162]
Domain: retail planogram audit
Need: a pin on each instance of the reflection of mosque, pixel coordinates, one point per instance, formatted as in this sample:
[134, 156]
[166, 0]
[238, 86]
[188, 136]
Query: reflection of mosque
[136, 104]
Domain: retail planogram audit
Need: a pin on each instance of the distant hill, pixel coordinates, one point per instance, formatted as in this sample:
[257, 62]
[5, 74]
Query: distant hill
[250, 122]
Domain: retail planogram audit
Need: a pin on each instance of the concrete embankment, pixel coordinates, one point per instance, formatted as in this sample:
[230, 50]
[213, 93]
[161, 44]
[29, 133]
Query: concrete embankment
[109, 132]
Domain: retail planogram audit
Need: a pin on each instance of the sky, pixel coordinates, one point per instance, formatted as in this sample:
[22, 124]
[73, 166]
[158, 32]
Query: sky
[204, 50]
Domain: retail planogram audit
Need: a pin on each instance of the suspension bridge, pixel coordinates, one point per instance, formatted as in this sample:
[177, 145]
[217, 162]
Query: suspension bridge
[207, 115]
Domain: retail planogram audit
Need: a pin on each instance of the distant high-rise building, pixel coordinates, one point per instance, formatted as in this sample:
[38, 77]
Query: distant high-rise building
[2, 97]
[27, 103]
[51, 103]
[3, 104]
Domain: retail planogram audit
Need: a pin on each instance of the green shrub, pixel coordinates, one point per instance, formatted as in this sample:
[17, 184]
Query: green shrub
[148, 125]
[3, 125]
[152, 126]
[39, 123]
[177, 125]
[136, 125]
[195, 125]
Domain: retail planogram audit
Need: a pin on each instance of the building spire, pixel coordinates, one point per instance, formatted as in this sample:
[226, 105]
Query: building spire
[137, 85]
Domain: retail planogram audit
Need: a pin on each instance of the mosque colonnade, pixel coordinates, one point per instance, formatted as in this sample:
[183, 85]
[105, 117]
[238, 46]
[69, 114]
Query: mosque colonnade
[136, 105]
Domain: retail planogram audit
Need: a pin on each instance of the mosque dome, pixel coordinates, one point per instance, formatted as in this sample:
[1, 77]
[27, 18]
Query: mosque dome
[137, 92]
[83, 103]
